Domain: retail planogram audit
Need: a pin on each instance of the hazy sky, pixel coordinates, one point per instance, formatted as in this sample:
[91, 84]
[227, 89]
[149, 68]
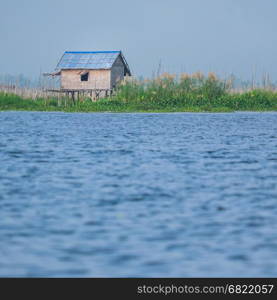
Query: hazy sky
[224, 36]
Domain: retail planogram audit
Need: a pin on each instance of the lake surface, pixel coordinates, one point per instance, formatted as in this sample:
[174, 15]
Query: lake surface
[167, 195]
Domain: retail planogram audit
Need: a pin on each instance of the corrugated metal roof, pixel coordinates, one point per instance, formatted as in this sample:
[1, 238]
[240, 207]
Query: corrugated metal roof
[87, 60]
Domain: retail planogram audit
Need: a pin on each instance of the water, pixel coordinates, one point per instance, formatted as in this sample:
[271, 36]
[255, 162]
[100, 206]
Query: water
[170, 195]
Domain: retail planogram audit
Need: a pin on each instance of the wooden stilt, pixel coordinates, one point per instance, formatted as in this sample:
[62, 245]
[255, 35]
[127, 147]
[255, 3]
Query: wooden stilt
[73, 96]
[63, 95]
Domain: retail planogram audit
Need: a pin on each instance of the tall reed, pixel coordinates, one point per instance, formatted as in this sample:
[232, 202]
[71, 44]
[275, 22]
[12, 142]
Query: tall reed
[166, 92]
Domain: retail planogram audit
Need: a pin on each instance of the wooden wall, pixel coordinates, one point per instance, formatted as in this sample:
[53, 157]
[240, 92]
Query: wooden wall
[98, 79]
[117, 72]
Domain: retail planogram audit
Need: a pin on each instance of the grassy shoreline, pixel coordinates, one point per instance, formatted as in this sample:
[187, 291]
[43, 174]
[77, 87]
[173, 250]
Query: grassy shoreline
[252, 101]
[189, 93]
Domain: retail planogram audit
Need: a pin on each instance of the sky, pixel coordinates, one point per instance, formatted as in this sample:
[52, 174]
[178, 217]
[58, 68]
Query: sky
[224, 36]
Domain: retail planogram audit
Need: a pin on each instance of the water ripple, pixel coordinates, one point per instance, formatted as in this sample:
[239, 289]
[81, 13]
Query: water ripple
[138, 194]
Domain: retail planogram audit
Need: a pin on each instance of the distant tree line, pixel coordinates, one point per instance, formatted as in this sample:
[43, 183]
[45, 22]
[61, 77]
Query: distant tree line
[22, 81]
[41, 81]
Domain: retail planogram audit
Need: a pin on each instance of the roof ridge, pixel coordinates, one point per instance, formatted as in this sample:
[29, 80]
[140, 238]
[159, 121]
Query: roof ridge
[114, 51]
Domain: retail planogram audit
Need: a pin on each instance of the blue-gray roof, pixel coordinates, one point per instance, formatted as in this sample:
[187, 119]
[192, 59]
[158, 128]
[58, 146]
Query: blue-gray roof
[88, 60]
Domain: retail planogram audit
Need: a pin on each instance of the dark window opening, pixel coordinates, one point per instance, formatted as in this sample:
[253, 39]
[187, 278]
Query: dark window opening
[84, 77]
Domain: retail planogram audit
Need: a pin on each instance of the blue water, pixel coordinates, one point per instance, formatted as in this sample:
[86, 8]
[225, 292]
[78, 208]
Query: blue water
[168, 195]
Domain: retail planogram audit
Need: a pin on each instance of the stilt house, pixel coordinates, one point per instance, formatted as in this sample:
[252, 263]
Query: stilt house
[96, 72]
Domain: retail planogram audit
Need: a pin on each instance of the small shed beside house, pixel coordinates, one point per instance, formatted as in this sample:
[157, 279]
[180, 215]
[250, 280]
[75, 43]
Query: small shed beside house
[94, 72]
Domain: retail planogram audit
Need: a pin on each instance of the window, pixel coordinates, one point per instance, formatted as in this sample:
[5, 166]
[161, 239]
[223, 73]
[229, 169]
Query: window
[84, 77]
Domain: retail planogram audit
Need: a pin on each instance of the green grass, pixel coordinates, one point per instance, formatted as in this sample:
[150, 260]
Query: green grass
[194, 93]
